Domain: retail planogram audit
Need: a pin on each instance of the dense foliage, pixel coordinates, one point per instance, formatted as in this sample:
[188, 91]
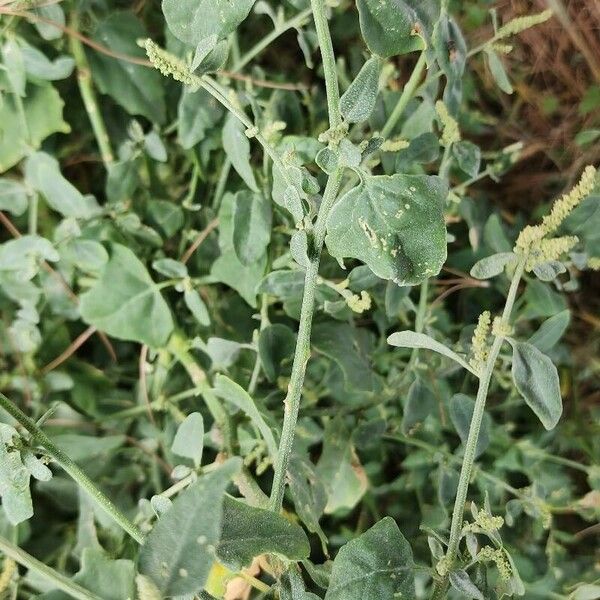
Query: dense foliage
[260, 336]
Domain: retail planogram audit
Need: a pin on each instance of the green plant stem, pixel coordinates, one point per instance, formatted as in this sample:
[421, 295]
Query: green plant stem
[88, 95]
[293, 23]
[441, 585]
[407, 93]
[302, 353]
[316, 239]
[71, 468]
[328, 59]
[55, 578]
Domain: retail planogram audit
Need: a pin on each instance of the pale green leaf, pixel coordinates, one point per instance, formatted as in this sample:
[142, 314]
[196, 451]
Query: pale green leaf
[197, 307]
[461, 414]
[461, 582]
[498, 72]
[358, 101]
[376, 565]
[237, 147]
[180, 550]
[550, 331]
[536, 378]
[249, 532]
[13, 196]
[125, 302]
[189, 439]
[394, 224]
[493, 265]
[251, 226]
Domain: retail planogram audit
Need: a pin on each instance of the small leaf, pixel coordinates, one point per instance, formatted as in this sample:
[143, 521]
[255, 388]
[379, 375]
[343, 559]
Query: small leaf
[204, 47]
[251, 226]
[358, 102]
[14, 486]
[550, 331]
[170, 268]
[493, 265]
[461, 582]
[461, 414]
[125, 302]
[39, 65]
[549, 271]
[376, 565]
[14, 66]
[536, 378]
[197, 307]
[420, 403]
[394, 224]
[237, 147]
[180, 550]
[276, 343]
[389, 27]
[13, 196]
[249, 532]
[498, 72]
[412, 339]
[468, 157]
[189, 439]
[229, 390]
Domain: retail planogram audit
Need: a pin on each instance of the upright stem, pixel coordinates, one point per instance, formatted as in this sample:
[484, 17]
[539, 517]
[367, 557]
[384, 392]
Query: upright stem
[441, 585]
[88, 95]
[55, 578]
[302, 353]
[407, 93]
[328, 59]
[71, 468]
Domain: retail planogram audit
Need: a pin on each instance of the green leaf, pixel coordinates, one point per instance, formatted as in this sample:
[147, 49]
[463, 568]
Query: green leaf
[197, 113]
[461, 582]
[37, 64]
[228, 268]
[237, 147]
[197, 307]
[189, 439]
[14, 65]
[138, 89]
[394, 224]
[461, 414]
[536, 378]
[229, 390]
[125, 302]
[180, 550]
[376, 565]
[13, 196]
[497, 71]
[112, 579]
[358, 102]
[550, 331]
[389, 28]
[420, 403]
[412, 339]
[493, 265]
[251, 226]
[42, 173]
[340, 470]
[276, 343]
[468, 157]
[14, 480]
[195, 20]
[249, 532]
[43, 109]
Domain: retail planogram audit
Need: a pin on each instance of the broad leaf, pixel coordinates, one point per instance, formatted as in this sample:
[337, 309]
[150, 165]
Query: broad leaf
[180, 550]
[249, 532]
[395, 224]
[358, 101]
[536, 378]
[125, 302]
[389, 28]
[195, 20]
[493, 265]
[376, 565]
[251, 226]
[229, 390]
[138, 89]
[412, 339]
[43, 174]
[197, 112]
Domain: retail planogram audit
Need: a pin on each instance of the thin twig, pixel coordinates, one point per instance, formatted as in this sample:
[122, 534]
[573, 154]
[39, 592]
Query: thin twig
[70, 350]
[199, 240]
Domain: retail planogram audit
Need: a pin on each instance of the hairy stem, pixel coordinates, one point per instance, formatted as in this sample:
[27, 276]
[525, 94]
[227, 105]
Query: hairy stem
[88, 95]
[441, 585]
[55, 578]
[302, 353]
[71, 468]
[407, 93]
